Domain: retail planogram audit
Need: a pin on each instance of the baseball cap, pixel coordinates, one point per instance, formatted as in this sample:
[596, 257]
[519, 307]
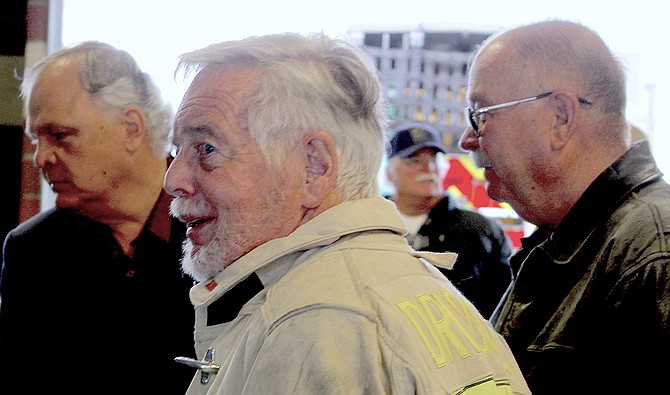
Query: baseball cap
[411, 137]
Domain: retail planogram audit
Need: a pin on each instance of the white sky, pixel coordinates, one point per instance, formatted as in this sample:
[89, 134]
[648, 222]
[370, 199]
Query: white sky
[157, 32]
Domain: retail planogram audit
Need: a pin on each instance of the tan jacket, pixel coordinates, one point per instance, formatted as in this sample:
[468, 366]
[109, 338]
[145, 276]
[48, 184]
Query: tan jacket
[349, 308]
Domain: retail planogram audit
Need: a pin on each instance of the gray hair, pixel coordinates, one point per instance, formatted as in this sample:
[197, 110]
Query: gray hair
[309, 83]
[114, 78]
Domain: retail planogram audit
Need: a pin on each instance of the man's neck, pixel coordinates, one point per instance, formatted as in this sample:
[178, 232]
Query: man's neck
[131, 205]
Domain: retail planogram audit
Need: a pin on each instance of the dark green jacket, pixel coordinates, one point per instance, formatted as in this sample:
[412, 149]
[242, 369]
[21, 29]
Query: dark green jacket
[589, 312]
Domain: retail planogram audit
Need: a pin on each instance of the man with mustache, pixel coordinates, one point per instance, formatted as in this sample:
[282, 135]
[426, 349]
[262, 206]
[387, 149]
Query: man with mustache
[437, 223]
[279, 143]
[93, 297]
[589, 311]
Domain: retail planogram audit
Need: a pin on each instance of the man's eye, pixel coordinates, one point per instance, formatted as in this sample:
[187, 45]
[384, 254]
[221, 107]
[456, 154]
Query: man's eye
[205, 149]
[59, 136]
[208, 156]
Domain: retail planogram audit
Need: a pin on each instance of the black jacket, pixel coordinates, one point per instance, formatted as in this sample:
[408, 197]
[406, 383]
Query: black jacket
[79, 317]
[482, 271]
[589, 312]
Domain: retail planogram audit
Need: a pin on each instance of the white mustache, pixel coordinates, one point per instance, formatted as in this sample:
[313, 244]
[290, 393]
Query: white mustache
[427, 177]
[181, 207]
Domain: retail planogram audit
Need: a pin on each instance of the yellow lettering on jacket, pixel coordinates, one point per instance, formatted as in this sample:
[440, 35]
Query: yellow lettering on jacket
[449, 327]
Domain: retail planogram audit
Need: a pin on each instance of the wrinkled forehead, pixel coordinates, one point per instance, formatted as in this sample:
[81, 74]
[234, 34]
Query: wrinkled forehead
[59, 76]
[57, 93]
[222, 90]
[216, 101]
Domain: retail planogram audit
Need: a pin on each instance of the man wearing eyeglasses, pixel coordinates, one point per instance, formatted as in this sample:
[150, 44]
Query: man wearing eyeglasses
[437, 223]
[589, 311]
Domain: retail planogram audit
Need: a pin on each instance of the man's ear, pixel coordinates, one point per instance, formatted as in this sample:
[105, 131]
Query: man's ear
[391, 170]
[320, 167]
[133, 119]
[565, 110]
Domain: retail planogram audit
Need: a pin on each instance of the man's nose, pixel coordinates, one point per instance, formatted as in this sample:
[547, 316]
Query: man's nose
[177, 180]
[468, 140]
[44, 155]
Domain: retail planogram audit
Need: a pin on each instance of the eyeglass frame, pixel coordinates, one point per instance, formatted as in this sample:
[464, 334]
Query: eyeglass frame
[479, 112]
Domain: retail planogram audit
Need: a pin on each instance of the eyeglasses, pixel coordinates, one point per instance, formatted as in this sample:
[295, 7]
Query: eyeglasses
[473, 116]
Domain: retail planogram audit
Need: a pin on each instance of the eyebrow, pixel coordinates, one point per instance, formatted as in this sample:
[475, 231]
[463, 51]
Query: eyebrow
[197, 131]
[476, 99]
[51, 128]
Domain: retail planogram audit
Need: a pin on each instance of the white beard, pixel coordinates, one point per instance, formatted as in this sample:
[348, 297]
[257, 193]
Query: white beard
[205, 264]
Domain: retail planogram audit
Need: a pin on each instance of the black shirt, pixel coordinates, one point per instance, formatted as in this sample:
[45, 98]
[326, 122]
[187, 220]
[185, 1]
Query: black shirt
[79, 316]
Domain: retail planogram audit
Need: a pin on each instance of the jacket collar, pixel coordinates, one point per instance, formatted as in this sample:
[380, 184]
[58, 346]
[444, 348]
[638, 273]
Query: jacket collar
[631, 171]
[272, 259]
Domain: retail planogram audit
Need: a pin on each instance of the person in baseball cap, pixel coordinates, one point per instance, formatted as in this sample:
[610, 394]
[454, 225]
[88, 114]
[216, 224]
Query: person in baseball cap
[412, 137]
[437, 223]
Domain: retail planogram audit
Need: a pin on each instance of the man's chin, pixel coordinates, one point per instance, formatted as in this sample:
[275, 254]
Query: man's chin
[492, 185]
[188, 267]
[63, 201]
[197, 262]
[496, 192]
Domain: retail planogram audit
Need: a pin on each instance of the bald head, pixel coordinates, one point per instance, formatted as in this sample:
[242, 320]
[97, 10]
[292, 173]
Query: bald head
[549, 99]
[556, 54]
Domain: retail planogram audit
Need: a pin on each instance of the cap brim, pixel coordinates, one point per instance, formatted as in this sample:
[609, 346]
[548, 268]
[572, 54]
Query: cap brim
[407, 152]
